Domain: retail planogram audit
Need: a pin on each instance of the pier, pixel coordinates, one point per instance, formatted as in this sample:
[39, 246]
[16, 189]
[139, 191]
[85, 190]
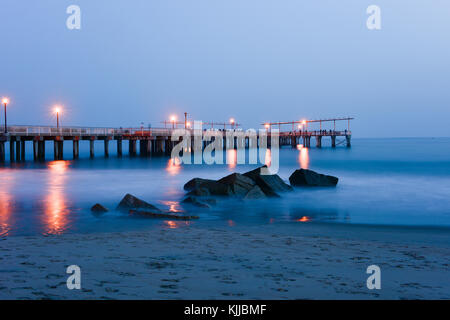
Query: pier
[301, 135]
[151, 141]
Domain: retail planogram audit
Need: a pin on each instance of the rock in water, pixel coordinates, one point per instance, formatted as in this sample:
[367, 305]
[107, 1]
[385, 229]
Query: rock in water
[195, 202]
[255, 193]
[196, 183]
[239, 184]
[163, 215]
[214, 187]
[199, 192]
[130, 202]
[98, 209]
[270, 184]
[305, 177]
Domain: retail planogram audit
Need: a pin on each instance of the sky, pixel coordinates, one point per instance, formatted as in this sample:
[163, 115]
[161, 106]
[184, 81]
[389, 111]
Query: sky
[141, 61]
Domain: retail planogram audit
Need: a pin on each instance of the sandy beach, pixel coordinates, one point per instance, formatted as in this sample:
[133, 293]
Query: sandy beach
[304, 261]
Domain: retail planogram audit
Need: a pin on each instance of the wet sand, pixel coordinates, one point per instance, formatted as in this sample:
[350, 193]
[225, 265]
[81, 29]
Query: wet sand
[276, 261]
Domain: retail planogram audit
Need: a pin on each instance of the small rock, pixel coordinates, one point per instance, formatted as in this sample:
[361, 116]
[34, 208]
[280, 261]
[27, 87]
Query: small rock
[130, 202]
[98, 208]
[305, 177]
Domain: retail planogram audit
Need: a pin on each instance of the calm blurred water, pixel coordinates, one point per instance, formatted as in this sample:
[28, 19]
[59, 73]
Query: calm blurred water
[382, 181]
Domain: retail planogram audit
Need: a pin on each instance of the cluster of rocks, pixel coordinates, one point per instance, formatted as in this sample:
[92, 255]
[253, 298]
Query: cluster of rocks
[137, 207]
[203, 193]
[251, 185]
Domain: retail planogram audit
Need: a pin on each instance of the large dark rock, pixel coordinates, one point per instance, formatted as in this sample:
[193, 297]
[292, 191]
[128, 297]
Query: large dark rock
[199, 192]
[196, 202]
[305, 177]
[239, 184]
[214, 188]
[269, 184]
[255, 193]
[130, 202]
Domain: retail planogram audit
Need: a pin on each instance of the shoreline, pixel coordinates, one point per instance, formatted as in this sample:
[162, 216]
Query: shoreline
[308, 261]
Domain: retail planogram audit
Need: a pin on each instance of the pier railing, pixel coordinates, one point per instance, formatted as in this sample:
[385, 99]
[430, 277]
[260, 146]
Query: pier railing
[84, 131]
[315, 133]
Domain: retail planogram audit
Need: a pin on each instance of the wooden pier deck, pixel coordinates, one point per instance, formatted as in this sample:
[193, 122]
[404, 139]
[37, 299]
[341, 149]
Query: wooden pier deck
[151, 141]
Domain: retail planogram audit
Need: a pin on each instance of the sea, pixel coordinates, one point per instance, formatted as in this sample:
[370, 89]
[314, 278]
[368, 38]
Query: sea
[402, 182]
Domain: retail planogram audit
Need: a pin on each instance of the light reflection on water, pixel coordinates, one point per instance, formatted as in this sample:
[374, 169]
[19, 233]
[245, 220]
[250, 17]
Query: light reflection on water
[303, 158]
[377, 186]
[6, 204]
[231, 158]
[173, 166]
[171, 224]
[55, 218]
[173, 206]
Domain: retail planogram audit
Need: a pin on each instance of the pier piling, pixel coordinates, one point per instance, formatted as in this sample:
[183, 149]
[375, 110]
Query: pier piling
[158, 140]
[91, 147]
[2, 151]
[106, 147]
[119, 147]
[76, 147]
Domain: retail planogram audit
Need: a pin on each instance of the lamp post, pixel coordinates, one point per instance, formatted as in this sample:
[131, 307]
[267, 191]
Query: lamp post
[305, 126]
[5, 102]
[232, 122]
[57, 110]
[173, 119]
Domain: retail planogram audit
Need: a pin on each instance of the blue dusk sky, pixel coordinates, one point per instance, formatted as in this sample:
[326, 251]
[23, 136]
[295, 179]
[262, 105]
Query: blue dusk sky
[254, 60]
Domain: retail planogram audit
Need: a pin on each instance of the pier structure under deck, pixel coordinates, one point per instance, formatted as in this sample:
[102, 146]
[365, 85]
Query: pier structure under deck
[151, 141]
[296, 133]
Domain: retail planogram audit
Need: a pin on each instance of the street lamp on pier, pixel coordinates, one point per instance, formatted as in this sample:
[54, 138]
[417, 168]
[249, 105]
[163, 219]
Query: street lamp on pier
[57, 111]
[5, 102]
[232, 122]
[173, 119]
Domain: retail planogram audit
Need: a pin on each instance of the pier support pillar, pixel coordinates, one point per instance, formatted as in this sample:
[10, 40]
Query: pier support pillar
[132, 147]
[106, 147]
[22, 150]
[35, 150]
[55, 150]
[76, 148]
[119, 147]
[2, 151]
[142, 148]
[18, 149]
[41, 150]
[58, 146]
[319, 141]
[333, 141]
[91, 148]
[148, 147]
[11, 149]
[348, 138]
